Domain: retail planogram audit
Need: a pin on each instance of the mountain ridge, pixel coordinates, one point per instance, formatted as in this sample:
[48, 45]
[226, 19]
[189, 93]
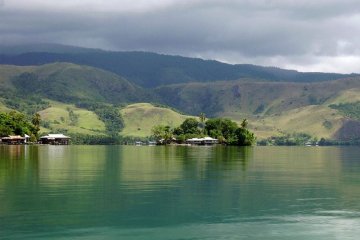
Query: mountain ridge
[152, 70]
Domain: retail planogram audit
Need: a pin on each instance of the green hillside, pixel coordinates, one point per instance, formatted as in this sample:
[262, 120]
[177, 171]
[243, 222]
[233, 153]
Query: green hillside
[9, 71]
[86, 100]
[60, 117]
[3, 108]
[243, 99]
[69, 83]
[272, 108]
[140, 118]
[315, 120]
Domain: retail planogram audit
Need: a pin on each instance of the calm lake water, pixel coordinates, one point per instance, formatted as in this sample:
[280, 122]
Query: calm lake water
[129, 192]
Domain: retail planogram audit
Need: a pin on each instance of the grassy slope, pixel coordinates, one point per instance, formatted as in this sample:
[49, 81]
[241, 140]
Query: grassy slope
[310, 119]
[3, 108]
[346, 96]
[286, 107]
[141, 117]
[88, 122]
[317, 120]
[57, 115]
[138, 118]
[239, 98]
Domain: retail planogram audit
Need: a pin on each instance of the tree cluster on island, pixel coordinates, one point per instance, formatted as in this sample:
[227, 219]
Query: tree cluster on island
[226, 131]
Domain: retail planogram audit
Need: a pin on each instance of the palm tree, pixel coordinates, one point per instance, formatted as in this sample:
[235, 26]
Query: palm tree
[244, 123]
[202, 117]
[36, 122]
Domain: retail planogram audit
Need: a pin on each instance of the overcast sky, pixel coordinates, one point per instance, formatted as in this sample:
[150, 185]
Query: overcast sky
[307, 35]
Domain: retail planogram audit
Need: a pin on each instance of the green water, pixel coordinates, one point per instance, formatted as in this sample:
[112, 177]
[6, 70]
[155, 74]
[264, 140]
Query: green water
[129, 192]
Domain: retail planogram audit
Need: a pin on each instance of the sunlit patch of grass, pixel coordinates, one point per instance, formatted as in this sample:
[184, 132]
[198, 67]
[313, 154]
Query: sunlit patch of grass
[140, 118]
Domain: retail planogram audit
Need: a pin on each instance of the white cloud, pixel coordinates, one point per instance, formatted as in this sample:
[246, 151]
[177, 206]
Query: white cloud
[90, 5]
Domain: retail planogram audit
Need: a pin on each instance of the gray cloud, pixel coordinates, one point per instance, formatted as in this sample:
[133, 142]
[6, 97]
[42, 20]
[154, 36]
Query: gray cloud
[311, 35]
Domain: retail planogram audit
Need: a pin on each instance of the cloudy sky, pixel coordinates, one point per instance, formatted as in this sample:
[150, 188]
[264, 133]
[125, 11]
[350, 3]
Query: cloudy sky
[307, 35]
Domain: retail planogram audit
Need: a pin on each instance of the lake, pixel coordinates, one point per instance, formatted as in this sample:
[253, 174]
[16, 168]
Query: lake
[130, 192]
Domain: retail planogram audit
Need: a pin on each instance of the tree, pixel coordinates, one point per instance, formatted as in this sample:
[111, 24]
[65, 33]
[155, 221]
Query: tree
[5, 130]
[244, 137]
[15, 123]
[19, 124]
[220, 127]
[190, 126]
[244, 123]
[202, 117]
[158, 131]
[228, 132]
[112, 118]
[162, 133]
[202, 121]
[178, 131]
[36, 120]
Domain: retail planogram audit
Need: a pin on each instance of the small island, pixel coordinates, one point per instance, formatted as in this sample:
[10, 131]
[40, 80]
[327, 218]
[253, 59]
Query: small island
[205, 132]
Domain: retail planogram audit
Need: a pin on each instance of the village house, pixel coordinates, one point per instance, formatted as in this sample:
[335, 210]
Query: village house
[15, 139]
[202, 141]
[55, 139]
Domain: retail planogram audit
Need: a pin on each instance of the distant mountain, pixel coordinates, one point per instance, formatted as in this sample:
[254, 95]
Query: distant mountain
[152, 70]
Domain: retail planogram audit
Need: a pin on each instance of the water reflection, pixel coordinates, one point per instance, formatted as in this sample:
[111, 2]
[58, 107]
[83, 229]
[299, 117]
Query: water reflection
[44, 189]
[146, 162]
[143, 168]
[18, 163]
[66, 164]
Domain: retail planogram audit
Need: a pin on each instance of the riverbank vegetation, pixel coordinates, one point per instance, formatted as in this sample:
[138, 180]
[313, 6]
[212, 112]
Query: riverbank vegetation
[77, 138]
[295, 139]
